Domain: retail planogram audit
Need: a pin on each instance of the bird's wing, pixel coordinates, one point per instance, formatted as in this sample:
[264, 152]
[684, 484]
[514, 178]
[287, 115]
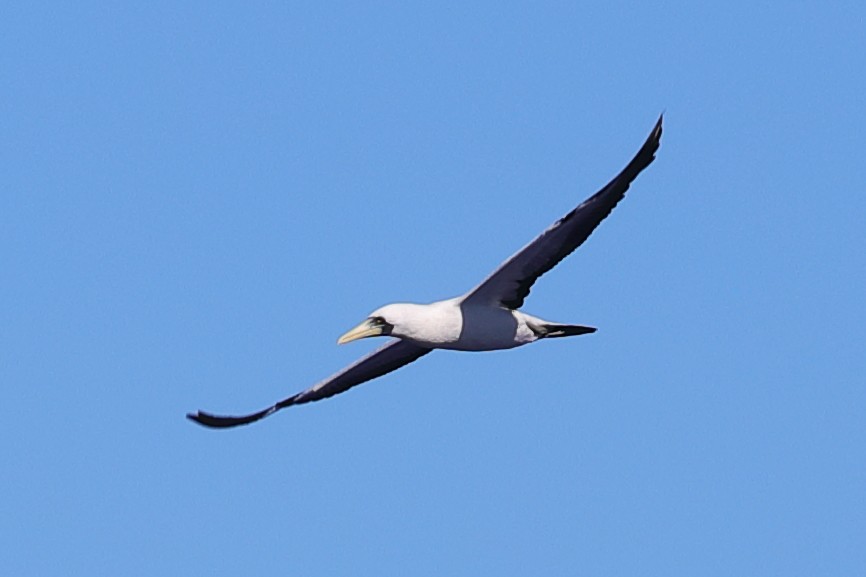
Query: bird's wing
[388, 358]
[509, 284]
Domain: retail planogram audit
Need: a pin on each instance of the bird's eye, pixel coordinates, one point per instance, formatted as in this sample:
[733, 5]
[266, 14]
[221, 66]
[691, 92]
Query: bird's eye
[377, 321]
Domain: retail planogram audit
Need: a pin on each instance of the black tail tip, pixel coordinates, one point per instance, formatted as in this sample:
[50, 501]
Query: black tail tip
[554, 331]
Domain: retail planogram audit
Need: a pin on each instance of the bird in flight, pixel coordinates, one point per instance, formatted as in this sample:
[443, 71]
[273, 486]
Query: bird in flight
[484, 319]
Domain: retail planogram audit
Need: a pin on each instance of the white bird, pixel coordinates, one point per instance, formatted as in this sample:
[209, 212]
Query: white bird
[484, 319]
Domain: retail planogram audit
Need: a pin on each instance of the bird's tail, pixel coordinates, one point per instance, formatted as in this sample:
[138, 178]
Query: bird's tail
[553, 330]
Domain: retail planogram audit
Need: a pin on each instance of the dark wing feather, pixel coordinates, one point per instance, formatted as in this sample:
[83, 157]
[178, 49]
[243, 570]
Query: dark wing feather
[510, 283]
[382, 361]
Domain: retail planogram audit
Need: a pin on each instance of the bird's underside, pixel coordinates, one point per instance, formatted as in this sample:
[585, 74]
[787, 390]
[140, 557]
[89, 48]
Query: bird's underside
[486, 318]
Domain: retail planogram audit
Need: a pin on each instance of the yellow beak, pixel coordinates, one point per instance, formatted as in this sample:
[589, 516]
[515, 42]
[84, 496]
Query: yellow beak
[362, 331]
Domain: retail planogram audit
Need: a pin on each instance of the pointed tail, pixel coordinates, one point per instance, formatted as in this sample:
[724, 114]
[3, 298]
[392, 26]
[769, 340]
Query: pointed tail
[554, 330]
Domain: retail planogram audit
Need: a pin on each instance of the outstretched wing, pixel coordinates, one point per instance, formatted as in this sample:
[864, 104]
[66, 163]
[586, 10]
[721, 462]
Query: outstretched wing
[382, 361]
[509, 284]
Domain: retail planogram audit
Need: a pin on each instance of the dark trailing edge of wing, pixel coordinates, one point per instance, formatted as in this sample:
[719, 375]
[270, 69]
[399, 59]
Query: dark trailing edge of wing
[591, 212]
[509, 284]
[388, 358]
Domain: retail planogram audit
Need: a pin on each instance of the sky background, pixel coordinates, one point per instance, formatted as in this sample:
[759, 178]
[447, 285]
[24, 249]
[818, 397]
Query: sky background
[196, 200]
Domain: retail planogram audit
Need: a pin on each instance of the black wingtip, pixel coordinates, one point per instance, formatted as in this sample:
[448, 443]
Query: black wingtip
[647, 153]
[225, 422]
[656, 134]
[208, 420]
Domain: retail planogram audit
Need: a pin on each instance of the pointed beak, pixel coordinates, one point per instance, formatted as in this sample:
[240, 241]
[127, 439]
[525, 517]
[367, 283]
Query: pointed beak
[362, 331]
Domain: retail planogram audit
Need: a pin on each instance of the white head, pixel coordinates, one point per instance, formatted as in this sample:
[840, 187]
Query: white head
[394, 319]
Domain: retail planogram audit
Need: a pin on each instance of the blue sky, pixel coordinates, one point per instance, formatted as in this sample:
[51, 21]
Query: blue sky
[198, 200]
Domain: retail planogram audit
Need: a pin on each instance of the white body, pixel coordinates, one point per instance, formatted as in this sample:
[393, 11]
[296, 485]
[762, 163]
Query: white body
[453, 324]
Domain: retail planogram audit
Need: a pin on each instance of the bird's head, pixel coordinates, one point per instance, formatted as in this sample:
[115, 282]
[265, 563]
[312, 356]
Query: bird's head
[384, 321]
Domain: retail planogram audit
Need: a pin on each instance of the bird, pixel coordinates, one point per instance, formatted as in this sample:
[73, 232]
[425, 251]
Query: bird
[484, 319]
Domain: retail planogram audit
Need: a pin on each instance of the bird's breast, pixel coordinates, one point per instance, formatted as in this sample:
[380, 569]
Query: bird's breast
[471, 328]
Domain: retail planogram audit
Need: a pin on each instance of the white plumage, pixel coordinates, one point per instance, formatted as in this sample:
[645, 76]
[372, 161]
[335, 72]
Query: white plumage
[453, 324]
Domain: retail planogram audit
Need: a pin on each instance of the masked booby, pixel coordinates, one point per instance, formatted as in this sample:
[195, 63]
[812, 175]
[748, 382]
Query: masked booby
[484, 319]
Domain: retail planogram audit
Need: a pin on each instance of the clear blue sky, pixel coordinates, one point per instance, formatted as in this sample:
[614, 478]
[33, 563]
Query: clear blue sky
[198, 200]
